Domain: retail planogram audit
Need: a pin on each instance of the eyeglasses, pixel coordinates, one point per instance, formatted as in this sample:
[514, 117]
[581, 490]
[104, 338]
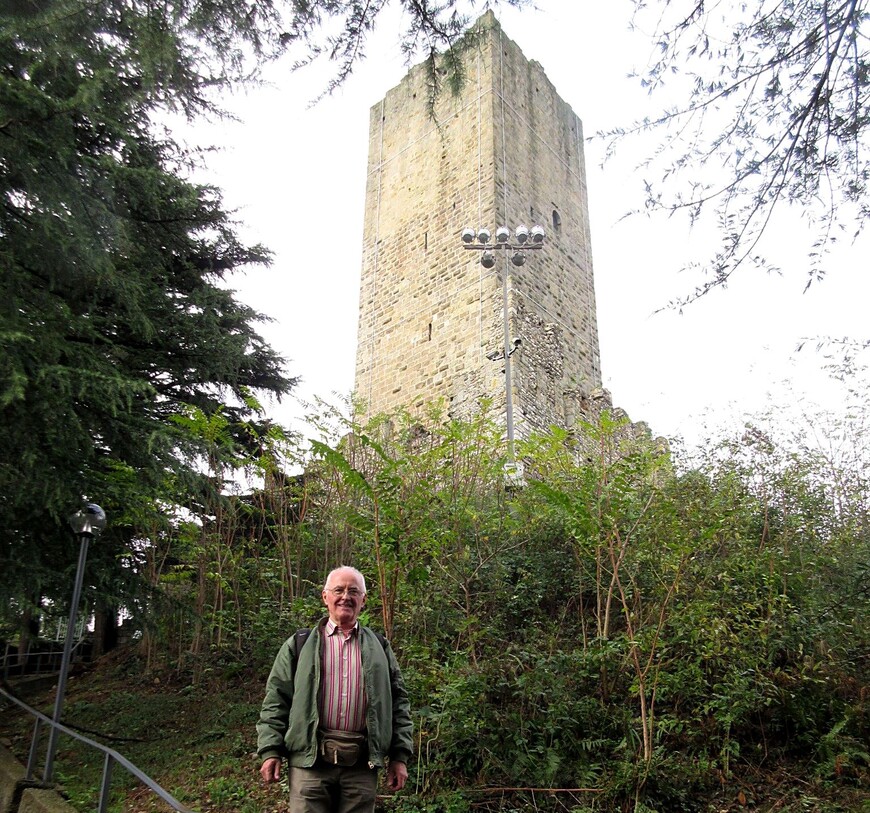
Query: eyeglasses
[338, 592]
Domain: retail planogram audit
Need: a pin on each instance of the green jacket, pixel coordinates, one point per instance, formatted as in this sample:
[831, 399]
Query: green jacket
[289, 717]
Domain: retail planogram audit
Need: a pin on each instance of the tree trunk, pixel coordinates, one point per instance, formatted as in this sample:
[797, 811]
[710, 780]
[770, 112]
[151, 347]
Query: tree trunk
[105, 631]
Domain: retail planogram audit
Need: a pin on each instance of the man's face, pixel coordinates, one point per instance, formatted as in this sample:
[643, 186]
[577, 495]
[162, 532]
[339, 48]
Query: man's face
[344, 598]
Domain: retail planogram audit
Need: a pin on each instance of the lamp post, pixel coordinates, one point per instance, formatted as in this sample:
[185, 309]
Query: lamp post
[86, 524]
[514, 250]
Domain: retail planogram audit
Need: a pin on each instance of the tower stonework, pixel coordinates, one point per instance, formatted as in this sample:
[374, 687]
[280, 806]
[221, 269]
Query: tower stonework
[504, 151]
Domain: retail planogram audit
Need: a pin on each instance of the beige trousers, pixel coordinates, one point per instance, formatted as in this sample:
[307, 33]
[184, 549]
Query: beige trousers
[333, 789]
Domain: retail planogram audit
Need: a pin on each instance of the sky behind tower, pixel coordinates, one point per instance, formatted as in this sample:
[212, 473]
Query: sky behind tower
[296, 176]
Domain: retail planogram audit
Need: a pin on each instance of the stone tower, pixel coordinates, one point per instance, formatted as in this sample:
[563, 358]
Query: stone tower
[505, 151]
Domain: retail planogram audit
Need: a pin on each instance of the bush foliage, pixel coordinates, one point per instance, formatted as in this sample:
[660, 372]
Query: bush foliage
[640, 627]
[624, 629]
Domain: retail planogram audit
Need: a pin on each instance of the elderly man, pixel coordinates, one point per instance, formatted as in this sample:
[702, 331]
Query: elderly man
[336, 708]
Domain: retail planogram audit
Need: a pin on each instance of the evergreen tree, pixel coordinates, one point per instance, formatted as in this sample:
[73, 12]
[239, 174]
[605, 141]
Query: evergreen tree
[114, 315]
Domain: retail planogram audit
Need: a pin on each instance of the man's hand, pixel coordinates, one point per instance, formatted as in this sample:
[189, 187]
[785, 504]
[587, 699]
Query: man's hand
[270, 770]
[397, 774]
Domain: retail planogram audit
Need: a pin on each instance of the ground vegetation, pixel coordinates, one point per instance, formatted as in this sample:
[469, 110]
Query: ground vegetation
[627, 631]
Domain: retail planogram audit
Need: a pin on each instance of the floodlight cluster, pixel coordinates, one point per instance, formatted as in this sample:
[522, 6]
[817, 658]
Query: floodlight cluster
[523, 238]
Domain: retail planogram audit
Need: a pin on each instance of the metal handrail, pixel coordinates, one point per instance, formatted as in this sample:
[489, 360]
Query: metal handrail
[50, 658]
[110, 758]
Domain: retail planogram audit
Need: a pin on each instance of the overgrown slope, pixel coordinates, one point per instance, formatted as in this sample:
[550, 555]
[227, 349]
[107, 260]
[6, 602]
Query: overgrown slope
[625, 632]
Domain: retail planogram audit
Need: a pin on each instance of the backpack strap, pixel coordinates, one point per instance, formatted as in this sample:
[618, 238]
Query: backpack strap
[301, 636]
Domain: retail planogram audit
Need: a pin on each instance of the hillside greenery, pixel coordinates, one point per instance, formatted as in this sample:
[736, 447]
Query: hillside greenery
[627, 630]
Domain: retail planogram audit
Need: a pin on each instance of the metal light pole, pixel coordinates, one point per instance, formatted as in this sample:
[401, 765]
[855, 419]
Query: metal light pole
[86, 524]
[524, 240]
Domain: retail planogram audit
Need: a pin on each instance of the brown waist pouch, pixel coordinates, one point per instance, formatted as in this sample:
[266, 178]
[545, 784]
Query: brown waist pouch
[345, 748]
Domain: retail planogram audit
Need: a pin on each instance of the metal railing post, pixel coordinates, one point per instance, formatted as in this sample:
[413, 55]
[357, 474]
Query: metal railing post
[34, 748]
[108, 763]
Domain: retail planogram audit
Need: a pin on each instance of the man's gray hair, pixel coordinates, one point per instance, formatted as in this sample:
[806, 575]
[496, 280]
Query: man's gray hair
[352, 570]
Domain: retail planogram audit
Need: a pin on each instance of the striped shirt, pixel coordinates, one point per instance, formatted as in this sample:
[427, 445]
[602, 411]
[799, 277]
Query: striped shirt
[342, 701]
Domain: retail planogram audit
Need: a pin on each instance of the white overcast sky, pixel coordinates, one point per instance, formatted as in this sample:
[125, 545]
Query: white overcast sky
[296, 176]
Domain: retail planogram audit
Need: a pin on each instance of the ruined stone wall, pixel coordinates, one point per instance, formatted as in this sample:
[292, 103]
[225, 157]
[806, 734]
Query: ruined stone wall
[506, 151]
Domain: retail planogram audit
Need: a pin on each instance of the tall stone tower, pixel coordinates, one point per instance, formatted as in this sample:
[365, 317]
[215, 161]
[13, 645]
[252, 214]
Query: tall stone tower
[505, 151]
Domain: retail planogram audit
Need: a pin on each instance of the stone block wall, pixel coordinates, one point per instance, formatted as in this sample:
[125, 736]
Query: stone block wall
[20, 795]
[11, 781]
